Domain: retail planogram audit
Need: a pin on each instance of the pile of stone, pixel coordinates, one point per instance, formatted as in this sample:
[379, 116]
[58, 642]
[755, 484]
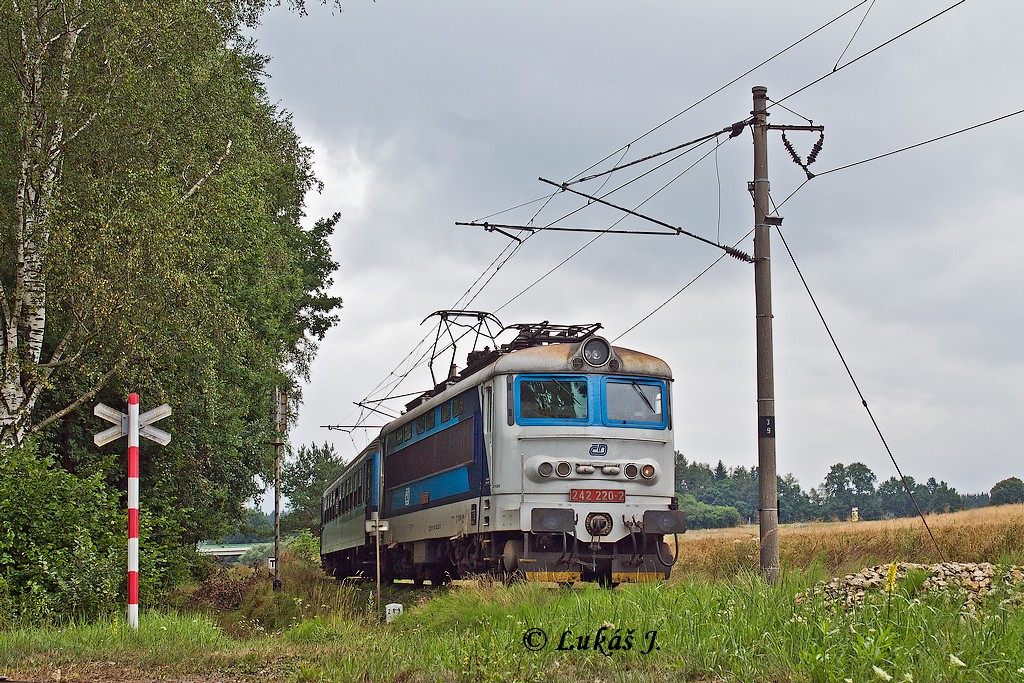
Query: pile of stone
[973, 580]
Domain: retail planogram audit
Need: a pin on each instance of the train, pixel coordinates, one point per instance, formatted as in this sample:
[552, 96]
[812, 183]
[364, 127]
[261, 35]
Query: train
[550, 457]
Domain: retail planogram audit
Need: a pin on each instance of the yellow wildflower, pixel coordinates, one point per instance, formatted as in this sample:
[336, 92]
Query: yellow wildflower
[890, 578]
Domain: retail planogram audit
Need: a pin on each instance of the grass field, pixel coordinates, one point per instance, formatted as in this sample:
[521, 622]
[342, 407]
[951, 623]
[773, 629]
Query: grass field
[994, 534]
[715, 621]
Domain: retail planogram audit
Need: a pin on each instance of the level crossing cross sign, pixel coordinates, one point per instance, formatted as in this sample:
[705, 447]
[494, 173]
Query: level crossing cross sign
[133, 425]
[120, 421]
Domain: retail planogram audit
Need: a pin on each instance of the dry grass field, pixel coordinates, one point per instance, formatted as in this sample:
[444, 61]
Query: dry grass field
[991, 534]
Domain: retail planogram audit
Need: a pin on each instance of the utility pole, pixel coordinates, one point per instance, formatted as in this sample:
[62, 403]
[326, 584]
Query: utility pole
[280, 408]
[767, 487]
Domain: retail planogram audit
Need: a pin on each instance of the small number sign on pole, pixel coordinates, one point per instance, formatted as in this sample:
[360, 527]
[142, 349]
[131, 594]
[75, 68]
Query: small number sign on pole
[134, 425]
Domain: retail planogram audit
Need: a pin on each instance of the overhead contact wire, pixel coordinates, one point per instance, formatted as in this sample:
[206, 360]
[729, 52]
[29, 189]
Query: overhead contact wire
[862, 19]
[690, 107]
[869, 52]
[599, 236]
[623, 149]
[920, 144]
[723, 87]
[680, 291]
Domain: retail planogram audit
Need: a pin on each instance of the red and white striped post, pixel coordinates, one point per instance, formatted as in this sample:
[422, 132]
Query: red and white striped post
[133, 510]
[133, 425]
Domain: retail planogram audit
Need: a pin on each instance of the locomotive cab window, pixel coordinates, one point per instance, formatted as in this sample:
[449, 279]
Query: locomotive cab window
[630, 401]
[552, 398]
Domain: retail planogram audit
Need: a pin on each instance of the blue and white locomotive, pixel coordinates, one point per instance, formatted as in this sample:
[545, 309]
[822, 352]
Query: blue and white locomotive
[551, 456]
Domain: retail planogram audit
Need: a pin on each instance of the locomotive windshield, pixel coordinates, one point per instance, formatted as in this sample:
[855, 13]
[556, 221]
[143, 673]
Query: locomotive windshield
[591, 400]
[564, 399]
[633, 401]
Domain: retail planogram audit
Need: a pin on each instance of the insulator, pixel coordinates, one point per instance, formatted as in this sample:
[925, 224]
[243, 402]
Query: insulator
[792, 152]
[816, 149]
[737, 254]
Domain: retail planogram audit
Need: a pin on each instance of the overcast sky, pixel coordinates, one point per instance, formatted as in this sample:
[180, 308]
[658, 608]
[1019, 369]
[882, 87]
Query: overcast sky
[422, 114]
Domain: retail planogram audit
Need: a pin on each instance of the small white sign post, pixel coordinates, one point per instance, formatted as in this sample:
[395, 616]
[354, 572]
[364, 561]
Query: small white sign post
[134, 425]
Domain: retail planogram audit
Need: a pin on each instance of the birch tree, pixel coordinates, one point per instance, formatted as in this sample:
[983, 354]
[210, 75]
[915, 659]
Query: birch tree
[143, 168]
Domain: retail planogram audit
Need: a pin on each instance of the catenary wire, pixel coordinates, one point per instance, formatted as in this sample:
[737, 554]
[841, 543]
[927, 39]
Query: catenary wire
[723, 87]
[624, 149]
[691, 106]
[869, 52]
[597, 237]
[680, 291]
[856, 31]
[898, 151]
[920, 144]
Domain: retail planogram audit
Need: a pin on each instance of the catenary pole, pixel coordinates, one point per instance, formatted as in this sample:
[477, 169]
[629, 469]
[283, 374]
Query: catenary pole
[768, 517]
[280, 427]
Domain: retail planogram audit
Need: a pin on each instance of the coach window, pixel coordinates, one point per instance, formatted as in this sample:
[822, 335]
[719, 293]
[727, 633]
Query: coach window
[553, 398]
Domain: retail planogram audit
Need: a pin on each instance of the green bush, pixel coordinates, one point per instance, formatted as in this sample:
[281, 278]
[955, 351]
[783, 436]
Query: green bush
[62, 541]
[704, 516]
[305, 546]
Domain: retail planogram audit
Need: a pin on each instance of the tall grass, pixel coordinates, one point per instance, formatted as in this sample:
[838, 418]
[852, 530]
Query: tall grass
[161, 638]
[735, 628]
[994, 534]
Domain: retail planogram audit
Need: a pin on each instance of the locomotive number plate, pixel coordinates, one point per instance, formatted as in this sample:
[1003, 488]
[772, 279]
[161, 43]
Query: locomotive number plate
[597, 496]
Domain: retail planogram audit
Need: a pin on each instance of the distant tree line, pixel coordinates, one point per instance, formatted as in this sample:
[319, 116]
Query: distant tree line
[718, 496]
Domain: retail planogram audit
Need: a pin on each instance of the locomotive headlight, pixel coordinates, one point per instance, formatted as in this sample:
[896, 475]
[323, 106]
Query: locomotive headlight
[631, 471]
[647, 471]
[563, 469]
[596, 351]
[545, 469]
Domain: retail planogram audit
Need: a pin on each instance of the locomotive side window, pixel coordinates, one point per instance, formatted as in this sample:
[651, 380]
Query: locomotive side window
[488, 407]
[430, 420]
[553, 398]
[634, 401]
[446, 412]
[456, 407]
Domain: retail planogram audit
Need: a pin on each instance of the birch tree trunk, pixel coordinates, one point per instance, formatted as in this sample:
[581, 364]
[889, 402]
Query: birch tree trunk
[49, 35]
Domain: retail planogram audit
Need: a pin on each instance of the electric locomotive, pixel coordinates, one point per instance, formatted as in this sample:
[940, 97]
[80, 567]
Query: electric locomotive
[551, 457]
